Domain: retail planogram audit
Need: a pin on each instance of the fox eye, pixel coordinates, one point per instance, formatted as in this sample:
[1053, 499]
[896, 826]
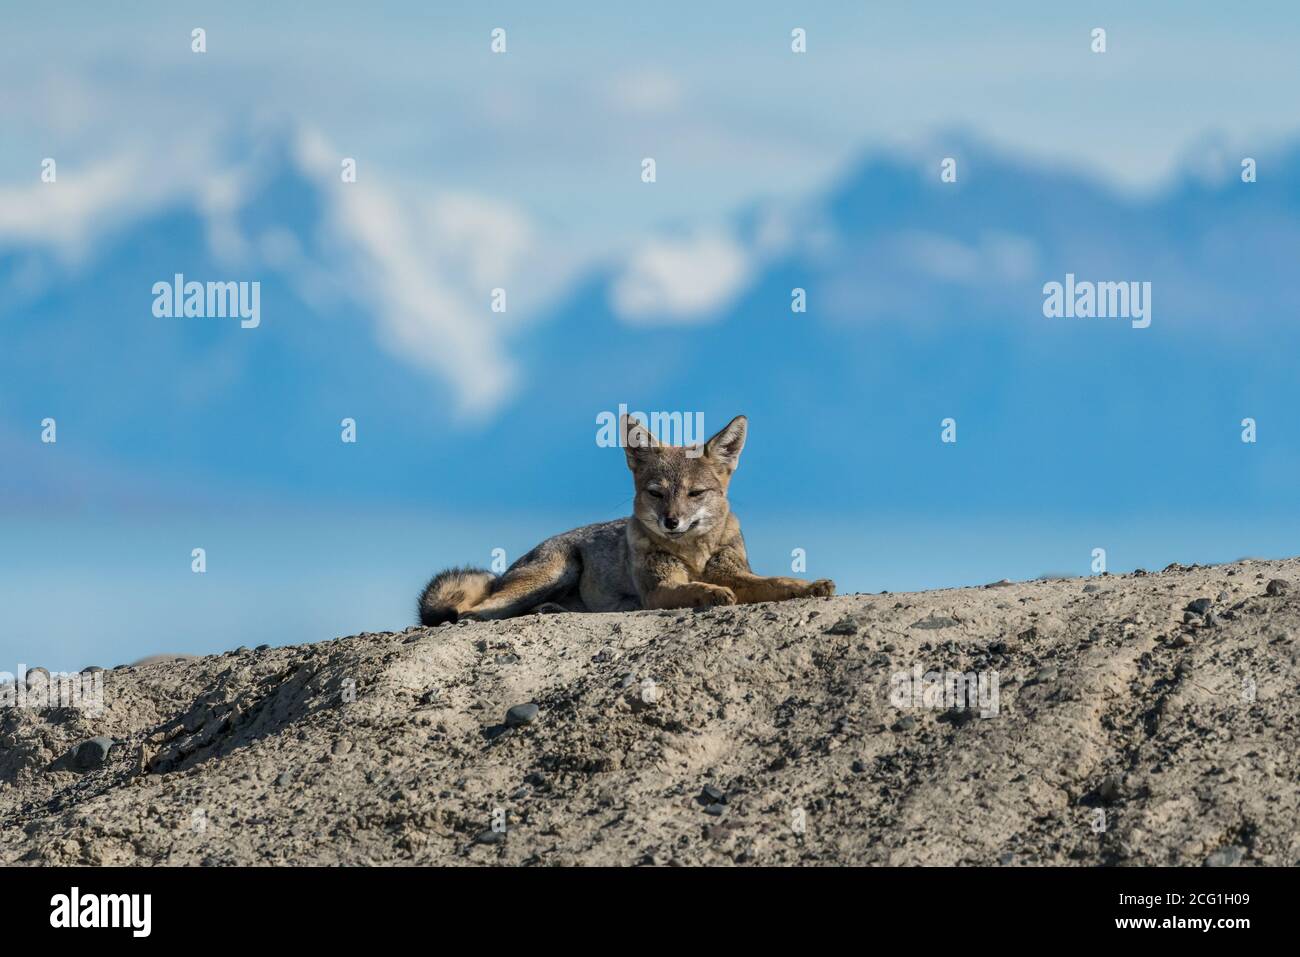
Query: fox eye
[654, 493]
[696, 492]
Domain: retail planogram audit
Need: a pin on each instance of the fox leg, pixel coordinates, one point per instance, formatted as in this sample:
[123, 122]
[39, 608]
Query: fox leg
[730, 568]
[664, 582]
[537, 579]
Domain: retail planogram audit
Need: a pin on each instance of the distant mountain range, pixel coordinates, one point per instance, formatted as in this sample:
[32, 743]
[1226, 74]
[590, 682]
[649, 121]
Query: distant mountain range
[924, 302]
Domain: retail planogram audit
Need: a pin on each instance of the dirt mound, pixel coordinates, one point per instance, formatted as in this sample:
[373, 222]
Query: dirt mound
[1144, 719]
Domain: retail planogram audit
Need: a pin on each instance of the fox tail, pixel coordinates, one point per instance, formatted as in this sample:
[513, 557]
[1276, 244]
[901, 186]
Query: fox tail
[452, 593]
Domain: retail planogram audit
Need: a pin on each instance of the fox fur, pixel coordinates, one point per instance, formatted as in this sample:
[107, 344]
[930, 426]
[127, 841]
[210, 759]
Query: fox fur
[680, 548]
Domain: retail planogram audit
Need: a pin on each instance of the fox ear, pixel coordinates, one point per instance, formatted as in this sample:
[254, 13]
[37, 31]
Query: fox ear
[637, 440]
[726, 445]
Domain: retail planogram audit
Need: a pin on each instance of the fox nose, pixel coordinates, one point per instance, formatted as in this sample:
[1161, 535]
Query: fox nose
[671, 522]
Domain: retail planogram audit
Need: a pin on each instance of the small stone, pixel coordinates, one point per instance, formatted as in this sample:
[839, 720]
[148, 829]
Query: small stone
[1050, 673]
[1200, 606]
[1276, 587]
[91, 754]
[1007, 858]
[859, 767]
[341, 746]
[262, 648]
[711, 794]
[715, 810]
[1226, 857]
[521, 714]
[91, 669]
[507, 659]
[490, 837]
[845, 626]
[1179, 641]
[934, 622]
[1091, 588]
[283, 780]
[1109, 790]
[905, 723]
[1190, 616]
[35, 675]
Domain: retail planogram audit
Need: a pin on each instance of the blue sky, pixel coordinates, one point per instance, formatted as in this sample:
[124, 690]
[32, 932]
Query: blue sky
[522, 171]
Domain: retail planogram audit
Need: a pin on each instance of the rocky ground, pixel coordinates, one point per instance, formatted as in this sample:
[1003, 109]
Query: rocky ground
[1140, 719]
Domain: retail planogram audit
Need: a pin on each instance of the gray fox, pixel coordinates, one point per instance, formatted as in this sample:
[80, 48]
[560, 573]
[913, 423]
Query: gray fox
[681, 547]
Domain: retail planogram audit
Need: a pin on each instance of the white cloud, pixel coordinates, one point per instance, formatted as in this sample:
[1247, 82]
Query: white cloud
[422, 264]
[425, 316]
[681, 280]
[68, 216]
[427, 264]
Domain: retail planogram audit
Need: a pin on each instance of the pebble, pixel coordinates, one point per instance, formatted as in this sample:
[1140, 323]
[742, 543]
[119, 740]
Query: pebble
[490, 837]
[341, 746]
[715, 810]
[934, 622]
[283, 780]
[1226, 857]
[1109, 790]
[711, 793]
[1276, 587]
[521, 714]
[1091, 588]
[91, 669]
[92, 753]
[905, 723]
[859, 767]
[262, 648]
[1200, 606]
[845, 626]
[1050, 673]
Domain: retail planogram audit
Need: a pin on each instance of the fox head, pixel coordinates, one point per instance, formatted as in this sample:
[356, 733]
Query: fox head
[681, 492]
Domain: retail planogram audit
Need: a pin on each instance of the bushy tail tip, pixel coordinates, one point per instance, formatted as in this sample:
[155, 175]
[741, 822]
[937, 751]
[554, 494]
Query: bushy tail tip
[451, 593]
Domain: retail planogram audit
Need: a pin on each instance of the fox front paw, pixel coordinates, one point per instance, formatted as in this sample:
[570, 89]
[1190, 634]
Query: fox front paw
[821, 588]
[700, 595]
